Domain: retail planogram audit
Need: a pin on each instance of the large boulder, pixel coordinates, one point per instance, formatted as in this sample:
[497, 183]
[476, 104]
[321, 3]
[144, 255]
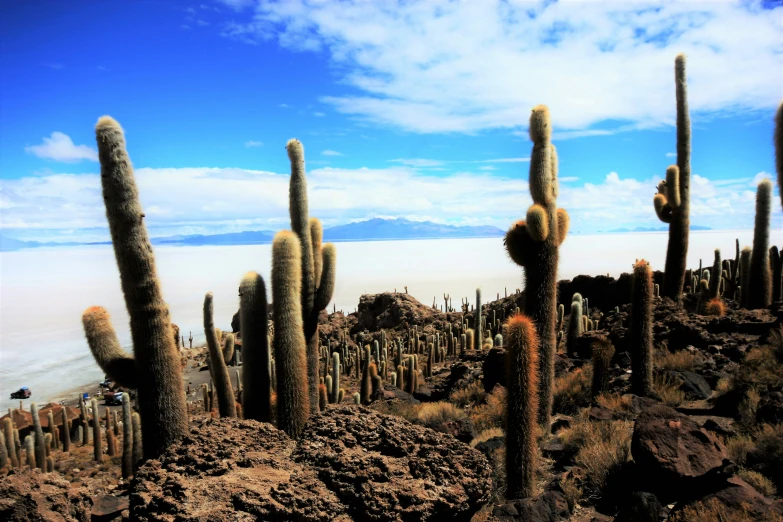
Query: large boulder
[392, 310]
[31, 496]
[673, 453]
[736, 494]
[350, 463]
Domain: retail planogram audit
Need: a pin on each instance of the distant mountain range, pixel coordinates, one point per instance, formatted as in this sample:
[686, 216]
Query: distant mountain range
[659, 229]
[370, 230]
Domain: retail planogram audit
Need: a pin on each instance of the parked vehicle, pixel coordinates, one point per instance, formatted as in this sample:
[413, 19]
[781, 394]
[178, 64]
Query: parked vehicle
[112, 398]
[22, 393]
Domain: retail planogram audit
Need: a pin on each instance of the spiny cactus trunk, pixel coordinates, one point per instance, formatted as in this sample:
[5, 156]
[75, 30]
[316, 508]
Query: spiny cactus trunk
[96, 433]
[521, 409]
[479, 339]
[160, 395]
[293, 406]
[40, 444]
[8, 431]
[759, 290]
[256, 355]
[217, 366]
[66, 431]
[127, 438]
[641, 330]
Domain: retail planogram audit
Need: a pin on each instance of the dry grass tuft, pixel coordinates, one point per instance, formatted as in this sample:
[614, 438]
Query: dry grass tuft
[681, 360]
[759, 482]
[470, 396]
[738, 448]
[668, 389]
[493, 413]
[486, 435]
[713, 510]
[571, 491]
[435, 415]
[571, 391]
[614, 402]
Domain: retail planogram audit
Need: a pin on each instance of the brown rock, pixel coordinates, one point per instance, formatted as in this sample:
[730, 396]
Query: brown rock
[672, 451]
[31, 496]
[108, 507]
[738, 494]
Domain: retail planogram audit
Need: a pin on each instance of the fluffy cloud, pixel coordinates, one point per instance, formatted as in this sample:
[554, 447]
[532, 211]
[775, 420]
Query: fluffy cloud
[223, 200]
[60, 147]
[444, 66]
[331, 153]
[250, 144]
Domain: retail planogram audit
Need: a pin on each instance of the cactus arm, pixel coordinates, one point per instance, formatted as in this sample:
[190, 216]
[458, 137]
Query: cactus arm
[673, 186]
[106, 349]
[518, 243]
[662, 208]
[563, 223]
[537, 223]
[316, 236]
[326, 287]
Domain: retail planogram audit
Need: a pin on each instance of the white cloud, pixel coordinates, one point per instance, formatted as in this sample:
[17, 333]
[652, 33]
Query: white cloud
[506, 160]
[488, 167]
[60, 147]
[419, 162]
[444, 66]
[319, 114]
[222, 200]
[567, 179]
[671, 154]
[253, 144]
[283, 105]
[328, 152]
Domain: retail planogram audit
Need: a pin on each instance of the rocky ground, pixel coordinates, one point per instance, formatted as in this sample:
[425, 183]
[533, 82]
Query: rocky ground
[706, 445]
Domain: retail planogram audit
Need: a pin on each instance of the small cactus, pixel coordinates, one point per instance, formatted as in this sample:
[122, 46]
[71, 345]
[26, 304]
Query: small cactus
[603, 351]
[40, 441]
[127, 438]
[96, 433]
[217, 367]
[759, 289]
[29, 448]
[575, 326]
[138, 454]
[641, 330]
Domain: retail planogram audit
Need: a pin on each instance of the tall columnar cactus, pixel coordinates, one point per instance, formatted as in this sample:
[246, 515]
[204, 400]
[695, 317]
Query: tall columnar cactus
[365, 386]
[318, 264]
[293, 406]
[256, 355]
[575, 326]
[138, 454]
[156, 371]
[336, 369]
[672, 203]
[8, 431]
[774, 261]
[744, 276]
[97, 450]
[40, 444]
[533, 244]
[4, 457]
[759, 289]
[479, 337]
[67, 430]
[716, 276]
[641, 329]
[521, 409]
[217, 364]
[127, 438]
[778, 138]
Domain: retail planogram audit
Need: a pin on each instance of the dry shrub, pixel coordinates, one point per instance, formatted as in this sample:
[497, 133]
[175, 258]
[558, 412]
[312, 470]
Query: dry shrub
[571, 491]
[435, 415]
[748, 407]
[668, 389]
[402, 409]
[758, 481]
[769, 444]
[469, 396]
[682, 360]
[571, 391]
[486, 435]
[738, 448]
[762, 366]
[602, 448]
[713, 511]
[493, 413]
[615, 402]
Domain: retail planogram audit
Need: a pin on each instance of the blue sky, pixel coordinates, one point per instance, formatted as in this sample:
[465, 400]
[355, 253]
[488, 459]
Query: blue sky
[415, 110]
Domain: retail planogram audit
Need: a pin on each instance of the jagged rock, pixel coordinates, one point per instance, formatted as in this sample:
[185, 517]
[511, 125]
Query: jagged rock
[384, 468]
[108, 507]
[642, 506]
[392, 310]
[692, 384]
[673, 453]
[31, 496]
[738, 494]
[549, 507]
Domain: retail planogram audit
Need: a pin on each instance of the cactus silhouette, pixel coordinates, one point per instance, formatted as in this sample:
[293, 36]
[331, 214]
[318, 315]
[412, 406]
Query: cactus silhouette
[256, 355]
[478, 339]
[533, 244]
[672, 203]
[521, 409]
[156, 370]
[318, 265]
[641, 329]
[293, 406]
[759, 290]
[217, 363]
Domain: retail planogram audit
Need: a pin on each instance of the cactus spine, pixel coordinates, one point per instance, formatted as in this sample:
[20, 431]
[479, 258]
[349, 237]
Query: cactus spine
[157, 360]
[533, 244]
[641, 329]
[759, 289]
[672, 203]
[289, 341]
[317, 265]
[218, 368]
[522, 411]
[256, 356]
